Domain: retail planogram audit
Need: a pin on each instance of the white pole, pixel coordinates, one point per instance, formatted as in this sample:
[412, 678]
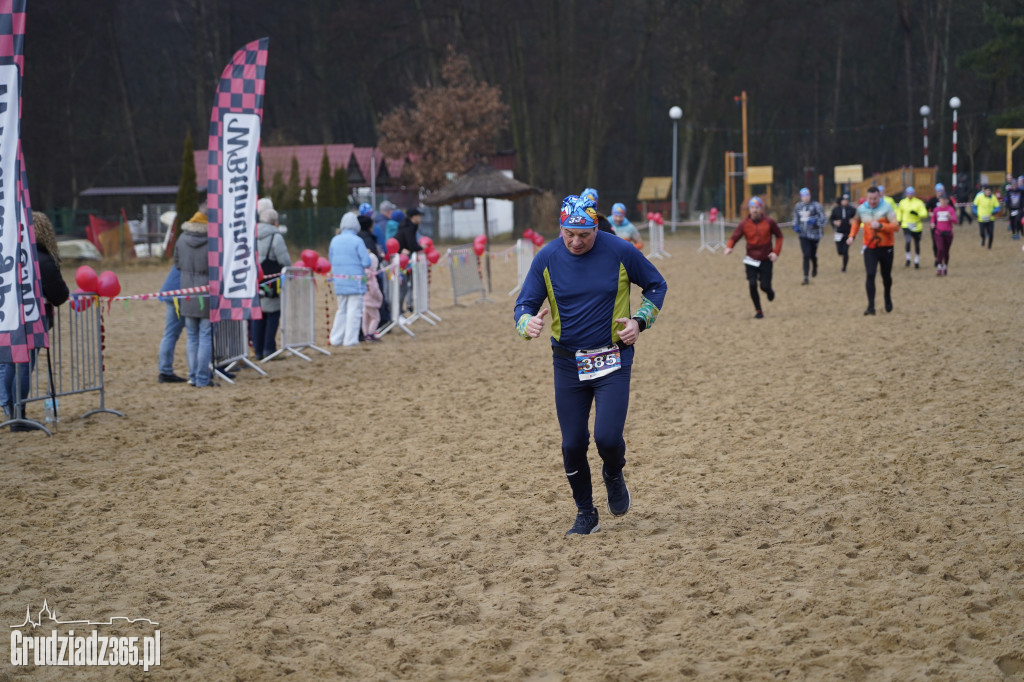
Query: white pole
[954, 103]
[675, 113]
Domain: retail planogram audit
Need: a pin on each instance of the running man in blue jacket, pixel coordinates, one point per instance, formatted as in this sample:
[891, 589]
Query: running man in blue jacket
[585, 279]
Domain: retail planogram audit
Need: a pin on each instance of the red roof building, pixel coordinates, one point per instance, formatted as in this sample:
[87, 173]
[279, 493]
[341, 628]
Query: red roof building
[355, 160]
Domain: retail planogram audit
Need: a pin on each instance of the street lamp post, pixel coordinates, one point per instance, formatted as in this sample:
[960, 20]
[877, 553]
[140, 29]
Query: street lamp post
[675, 113]
[925, 110]
[954, 104]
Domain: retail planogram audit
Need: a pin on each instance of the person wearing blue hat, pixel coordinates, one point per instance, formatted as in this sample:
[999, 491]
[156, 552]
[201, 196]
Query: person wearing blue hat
[986, 206]
[808, 221]
[623, 228]
[591, 193]
[912, 213]
[759, 231]
[585, 279]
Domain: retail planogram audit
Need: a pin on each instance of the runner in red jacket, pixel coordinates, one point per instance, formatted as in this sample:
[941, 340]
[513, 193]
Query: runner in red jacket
[758, 229]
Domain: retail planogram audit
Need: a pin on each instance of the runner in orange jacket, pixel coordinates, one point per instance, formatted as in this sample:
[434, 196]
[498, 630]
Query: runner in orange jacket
[880, 227]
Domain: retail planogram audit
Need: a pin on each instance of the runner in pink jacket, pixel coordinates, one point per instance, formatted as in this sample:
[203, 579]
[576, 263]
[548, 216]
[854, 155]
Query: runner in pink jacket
[943, 219]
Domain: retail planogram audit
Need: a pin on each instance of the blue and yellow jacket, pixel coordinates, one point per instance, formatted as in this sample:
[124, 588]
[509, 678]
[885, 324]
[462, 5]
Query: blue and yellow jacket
[587, 293]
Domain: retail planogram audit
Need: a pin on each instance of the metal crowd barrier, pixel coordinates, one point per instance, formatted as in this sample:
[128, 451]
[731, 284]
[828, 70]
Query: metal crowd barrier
[656, 240]
[73, 362]
[712, 234]
[524, 259]
[421, 290]
[466, 279]
[393, 274]
[231, 348]
[298, 328]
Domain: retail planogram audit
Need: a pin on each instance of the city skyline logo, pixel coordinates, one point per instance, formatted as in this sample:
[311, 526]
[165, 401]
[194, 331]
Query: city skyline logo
[51, 614]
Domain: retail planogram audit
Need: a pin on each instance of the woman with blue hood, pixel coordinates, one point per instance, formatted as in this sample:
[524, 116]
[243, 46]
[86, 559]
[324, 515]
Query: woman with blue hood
[349, 260]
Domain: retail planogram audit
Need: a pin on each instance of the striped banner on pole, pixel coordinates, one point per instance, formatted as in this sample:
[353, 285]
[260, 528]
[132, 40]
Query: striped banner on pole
[231, 189]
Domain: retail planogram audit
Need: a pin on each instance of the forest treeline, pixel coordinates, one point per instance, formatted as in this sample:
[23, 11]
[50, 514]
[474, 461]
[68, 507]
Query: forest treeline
[112, 87]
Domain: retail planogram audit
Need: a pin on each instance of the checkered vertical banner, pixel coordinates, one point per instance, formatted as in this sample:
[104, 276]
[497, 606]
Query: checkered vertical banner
[231, 190]
[22, 325]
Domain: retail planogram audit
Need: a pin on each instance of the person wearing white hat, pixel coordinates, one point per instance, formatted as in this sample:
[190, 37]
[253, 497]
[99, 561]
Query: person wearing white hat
[349, 260]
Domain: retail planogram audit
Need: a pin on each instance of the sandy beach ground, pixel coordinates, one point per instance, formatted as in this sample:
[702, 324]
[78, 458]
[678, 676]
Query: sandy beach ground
[816, 495]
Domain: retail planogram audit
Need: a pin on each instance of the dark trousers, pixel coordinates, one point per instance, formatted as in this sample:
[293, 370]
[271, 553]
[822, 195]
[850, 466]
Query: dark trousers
[573, 399]
[986, 229]
[843, 249]
[943, 241]
[809, 248]
[964, 213]
[879, 258]
[1015, 223]
[762, 273]
[264, 334]
[910, 235]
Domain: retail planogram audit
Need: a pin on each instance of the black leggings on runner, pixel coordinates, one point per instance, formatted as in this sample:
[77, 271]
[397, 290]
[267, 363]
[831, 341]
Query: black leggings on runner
[809, 247]
[986, 229]
[762, 272]
[916, 236]
[843, 249]
[873, 258]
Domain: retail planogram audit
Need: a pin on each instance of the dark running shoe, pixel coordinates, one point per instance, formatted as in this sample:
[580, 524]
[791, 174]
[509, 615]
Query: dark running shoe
[888, 306]
[758, 315]
[869, 311]
[586, 524]
[170, 379]
[618, 493]
[771, 294]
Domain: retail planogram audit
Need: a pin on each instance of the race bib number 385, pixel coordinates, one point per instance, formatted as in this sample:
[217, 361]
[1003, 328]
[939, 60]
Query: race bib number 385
[591, 364]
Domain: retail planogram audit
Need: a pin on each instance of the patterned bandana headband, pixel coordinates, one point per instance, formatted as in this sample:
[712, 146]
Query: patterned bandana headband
[578, 213]
[755, 201]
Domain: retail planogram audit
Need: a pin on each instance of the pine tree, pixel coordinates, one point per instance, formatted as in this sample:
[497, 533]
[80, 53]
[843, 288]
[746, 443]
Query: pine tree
[325, 186]
[277, 189]
[341, 187]
[291, 198]
[307, 194]
[188, 196]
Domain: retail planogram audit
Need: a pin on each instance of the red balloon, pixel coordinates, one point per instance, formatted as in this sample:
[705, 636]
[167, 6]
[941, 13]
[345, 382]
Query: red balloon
[538, 239]
[650, 215]
[426, 242]
[81, 300]
[309, 257]
[393, 246]
[323, 266]
[403, 261]
[479, 248]
[433, 256]
[109, 286]
[480, 239]
[714, 214]
[528, 233]
[86, 279]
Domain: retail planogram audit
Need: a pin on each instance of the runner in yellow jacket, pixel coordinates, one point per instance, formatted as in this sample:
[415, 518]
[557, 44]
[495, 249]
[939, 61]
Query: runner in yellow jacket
[912, 214]
[986, 206]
